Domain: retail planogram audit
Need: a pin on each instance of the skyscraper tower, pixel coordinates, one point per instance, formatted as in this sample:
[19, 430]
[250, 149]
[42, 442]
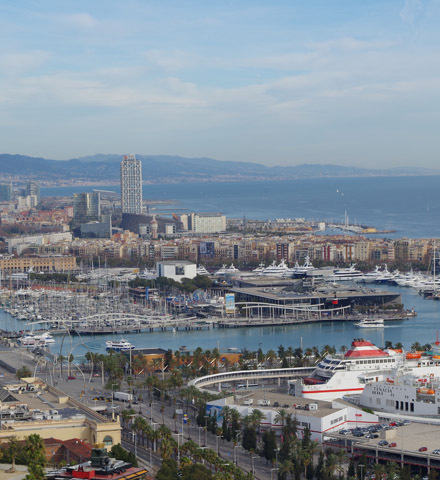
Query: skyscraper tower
[131, 185]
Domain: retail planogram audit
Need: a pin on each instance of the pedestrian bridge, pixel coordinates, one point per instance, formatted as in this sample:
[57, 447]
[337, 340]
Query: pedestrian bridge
[250, 376]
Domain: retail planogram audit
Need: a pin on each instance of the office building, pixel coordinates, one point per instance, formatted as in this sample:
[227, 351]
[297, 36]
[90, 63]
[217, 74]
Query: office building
[204, 222]
[33, 188]
[86, 207]
[131, 185]
[5, 192]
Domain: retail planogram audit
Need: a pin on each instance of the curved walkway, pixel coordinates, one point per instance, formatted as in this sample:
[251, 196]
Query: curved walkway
[250, 376]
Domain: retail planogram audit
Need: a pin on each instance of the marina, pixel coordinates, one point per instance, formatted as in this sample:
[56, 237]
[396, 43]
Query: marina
[251, 335]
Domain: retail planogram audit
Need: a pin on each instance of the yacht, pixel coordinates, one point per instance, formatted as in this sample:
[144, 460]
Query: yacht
[224, 270]
[302, 270]
[371, 277]
[201, 270]
[119, 346]
[274, 270]
[371, 323]
[259, 269]
[346, 274]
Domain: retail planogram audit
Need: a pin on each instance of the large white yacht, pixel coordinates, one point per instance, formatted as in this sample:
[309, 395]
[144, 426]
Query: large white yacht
[274, 270]
[225, 270]
[346, 274]
[303, 270]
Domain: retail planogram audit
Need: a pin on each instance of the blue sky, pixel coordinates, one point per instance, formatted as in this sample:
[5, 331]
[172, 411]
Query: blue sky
[351, 82]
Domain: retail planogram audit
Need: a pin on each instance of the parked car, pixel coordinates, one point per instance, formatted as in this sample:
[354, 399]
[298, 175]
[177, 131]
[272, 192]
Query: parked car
[436, 451]
[392, 445]
[71, 377]
[423, 449]
[383, 443]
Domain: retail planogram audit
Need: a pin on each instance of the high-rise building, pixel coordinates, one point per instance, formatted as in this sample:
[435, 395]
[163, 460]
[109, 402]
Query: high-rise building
[86, 207]
[5, 192]
[33, 188]
[131, 185]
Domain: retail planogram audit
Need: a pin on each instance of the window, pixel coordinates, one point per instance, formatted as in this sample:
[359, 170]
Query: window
[108, 440]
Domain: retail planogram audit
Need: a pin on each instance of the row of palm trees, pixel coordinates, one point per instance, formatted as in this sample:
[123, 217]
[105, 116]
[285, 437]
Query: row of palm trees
[162, 441]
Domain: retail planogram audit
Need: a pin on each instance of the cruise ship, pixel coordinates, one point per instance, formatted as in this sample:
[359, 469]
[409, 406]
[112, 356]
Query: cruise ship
[344, 374]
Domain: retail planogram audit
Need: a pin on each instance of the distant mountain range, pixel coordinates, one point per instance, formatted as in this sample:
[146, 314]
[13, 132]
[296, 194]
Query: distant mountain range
[104, 169]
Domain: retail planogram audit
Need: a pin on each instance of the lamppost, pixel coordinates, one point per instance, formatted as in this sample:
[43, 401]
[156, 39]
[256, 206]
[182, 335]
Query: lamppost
[235, 454]
[252, 463]
[271, 472]
[361, 466]
[200, 428]
[151, 411]
[134, 435]
[153, 424]
[206, 430]
[178, 446]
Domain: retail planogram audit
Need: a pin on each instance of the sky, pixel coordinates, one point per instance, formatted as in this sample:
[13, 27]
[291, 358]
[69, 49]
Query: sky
[348, 82]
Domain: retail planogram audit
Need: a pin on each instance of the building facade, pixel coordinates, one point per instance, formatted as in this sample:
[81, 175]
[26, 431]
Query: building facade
[131, 185]
[86, 207]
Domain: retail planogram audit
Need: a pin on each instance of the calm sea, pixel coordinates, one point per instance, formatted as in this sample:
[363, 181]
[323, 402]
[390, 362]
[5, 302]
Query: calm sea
[409, 205]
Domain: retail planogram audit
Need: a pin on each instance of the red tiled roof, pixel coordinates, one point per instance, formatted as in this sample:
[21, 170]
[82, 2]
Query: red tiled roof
[78, 447]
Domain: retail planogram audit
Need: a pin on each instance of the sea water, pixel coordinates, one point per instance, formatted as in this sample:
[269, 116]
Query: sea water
[409, 205]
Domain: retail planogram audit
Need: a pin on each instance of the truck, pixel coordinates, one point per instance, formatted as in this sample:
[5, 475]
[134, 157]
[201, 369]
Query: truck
[248, 401]
[123, 396]
[264, 403]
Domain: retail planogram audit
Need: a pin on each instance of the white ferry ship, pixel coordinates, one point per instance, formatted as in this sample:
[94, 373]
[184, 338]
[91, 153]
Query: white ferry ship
[119, 346]
[339, 374]
[405, 393]
[371, 323]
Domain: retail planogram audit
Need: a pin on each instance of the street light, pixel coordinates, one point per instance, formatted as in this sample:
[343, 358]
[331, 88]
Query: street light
[153, 424]
[134, 435]
[178, 446]
[252, 463]
[151, 411]
[200, 428]
[235, 454]
[361, 466]
[271, 472]
[206, 429]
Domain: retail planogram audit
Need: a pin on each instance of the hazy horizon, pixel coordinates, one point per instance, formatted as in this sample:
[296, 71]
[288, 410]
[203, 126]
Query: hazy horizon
[277, 83]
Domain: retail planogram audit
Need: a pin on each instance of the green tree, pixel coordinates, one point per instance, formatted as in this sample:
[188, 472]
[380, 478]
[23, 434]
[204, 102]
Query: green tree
[168, 470]
[34, 448]
[23, 372]
[13, 449]
[196, 472]
[269, 445]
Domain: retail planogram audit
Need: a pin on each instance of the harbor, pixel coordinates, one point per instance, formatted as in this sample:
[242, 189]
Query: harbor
[238, 332]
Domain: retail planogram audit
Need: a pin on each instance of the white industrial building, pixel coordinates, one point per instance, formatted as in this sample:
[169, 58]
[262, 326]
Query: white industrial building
[320, 417]
[176, 269]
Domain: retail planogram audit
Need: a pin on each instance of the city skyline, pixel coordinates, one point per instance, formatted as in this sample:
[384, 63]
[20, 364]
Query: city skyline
[340, 82]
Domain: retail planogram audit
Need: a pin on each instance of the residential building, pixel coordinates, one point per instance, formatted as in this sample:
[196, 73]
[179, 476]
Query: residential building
[131, 185]
[5, 192]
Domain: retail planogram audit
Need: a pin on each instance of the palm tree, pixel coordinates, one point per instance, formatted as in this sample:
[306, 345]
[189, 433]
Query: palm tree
[281, 417]
[285, 469]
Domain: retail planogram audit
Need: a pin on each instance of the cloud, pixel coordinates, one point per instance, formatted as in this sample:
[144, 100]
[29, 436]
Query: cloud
[83, 21]
[412, 11]
[172, 60]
